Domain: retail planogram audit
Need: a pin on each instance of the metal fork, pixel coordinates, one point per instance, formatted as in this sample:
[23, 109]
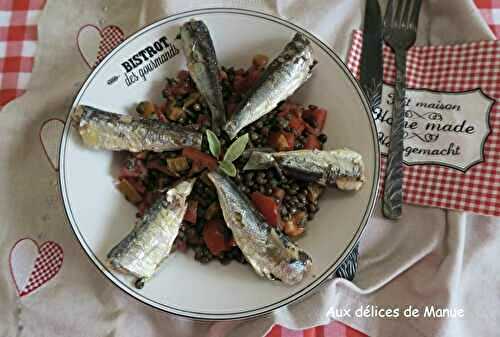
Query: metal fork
[400, 32]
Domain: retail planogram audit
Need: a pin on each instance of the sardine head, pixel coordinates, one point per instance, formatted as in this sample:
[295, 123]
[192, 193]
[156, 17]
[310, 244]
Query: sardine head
[259, 161]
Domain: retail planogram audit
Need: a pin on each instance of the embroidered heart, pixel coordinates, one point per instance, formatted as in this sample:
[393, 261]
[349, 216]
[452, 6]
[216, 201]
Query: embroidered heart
[50, 132]
[95, 43]
[32, 265]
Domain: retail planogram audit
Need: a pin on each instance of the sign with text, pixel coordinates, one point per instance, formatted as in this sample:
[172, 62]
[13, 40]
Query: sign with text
[442, 128]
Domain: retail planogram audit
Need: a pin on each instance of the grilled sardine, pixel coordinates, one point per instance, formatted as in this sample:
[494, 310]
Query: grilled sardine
[141, 252]
[202, 64]
[282, 78]
[268, 251]
[107, 130]
[342, 167]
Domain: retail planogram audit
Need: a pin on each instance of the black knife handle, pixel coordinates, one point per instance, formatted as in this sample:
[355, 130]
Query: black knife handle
[393, 185]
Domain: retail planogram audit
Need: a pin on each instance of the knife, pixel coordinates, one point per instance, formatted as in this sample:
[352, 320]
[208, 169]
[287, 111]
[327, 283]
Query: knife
[371, 67]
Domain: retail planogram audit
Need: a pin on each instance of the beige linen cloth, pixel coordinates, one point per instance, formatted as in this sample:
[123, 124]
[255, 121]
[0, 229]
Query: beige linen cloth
[429, 257]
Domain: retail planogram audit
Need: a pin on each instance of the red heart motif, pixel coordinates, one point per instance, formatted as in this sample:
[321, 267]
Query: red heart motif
[48, 261]
[109, 37]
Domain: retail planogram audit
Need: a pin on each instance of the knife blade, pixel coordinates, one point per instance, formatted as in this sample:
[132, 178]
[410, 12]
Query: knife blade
[371, 67]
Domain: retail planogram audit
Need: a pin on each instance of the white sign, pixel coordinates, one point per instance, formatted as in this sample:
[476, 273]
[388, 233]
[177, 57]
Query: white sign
[442, 128]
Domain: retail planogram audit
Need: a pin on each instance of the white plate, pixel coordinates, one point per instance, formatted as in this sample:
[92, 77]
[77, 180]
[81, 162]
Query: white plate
[100, 216]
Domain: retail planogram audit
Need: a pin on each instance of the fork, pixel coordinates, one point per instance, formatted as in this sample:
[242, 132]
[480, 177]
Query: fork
[400, 32]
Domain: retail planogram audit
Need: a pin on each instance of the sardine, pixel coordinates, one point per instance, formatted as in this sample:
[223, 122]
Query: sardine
[268, 250]
[342, 167]
[202, 64]
[285, 74]
[107, 130]
[141, 252]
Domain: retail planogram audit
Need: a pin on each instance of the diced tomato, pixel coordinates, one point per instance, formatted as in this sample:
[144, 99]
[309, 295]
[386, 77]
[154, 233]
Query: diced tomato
[191, 212]
[267, 206]
[316, 117]
[213, 235]
[312, 143]
[282, 141]
[133, 168]
[297, 125]
[311, 130]
[196, 168]
[200, 157]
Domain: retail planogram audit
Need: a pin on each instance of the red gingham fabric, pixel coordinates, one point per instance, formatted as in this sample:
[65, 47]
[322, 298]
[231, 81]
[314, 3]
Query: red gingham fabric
[334, 329]
[490, 10]
[18, 36]
[453, 69]
[47, 264]
[111, 37]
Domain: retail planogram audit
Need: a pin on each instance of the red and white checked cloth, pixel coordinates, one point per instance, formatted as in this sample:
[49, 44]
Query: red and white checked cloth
[18, 39]
[490, 10]
[47, 265]
[451, 69]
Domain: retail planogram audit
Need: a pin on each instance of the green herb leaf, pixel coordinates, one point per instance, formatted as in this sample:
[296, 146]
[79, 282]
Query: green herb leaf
[228, 168]
[213, 143]
[236, 148]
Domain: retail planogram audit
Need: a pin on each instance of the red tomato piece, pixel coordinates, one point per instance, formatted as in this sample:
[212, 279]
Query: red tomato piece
[268, 207]
[133, 168]
[311, 130]
[200, 157]
[191, 212]
[213, 235]
[316, 117]
[297, 125]
[312, 143]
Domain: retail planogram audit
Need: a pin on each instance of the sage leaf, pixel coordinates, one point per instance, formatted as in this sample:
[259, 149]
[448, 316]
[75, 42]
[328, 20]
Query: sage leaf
[228, 168]
[236, 149]
[213, 143]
